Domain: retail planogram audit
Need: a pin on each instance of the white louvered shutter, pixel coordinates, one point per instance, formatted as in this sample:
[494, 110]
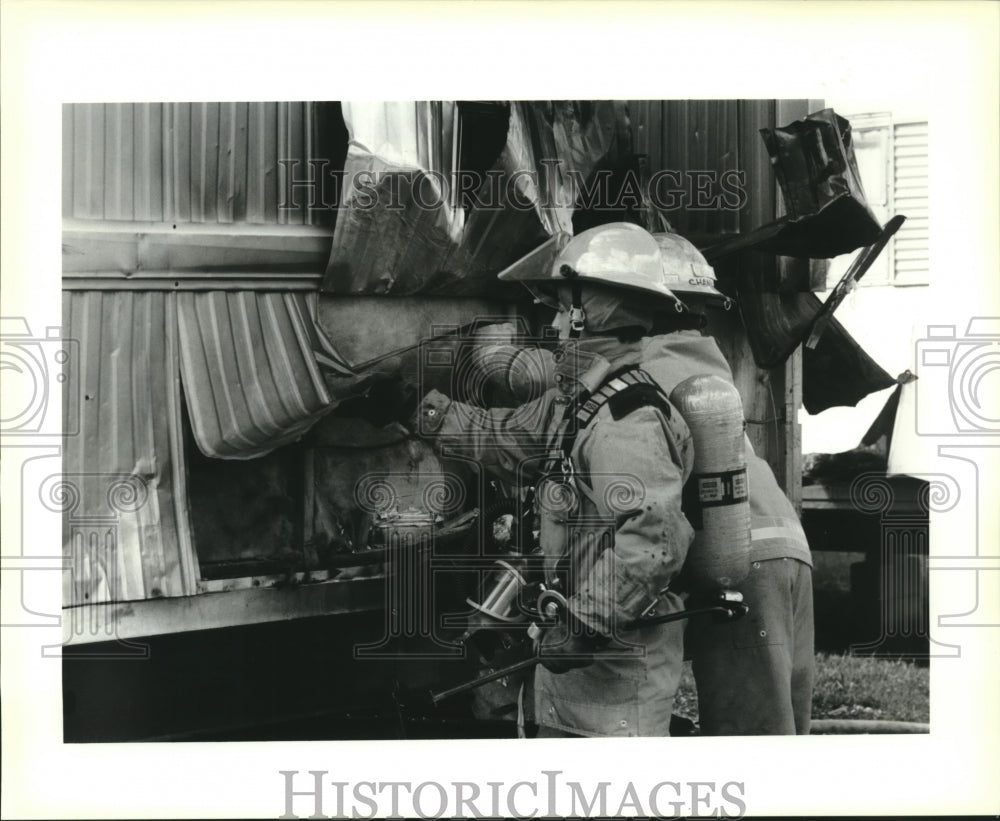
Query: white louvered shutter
[910, 252]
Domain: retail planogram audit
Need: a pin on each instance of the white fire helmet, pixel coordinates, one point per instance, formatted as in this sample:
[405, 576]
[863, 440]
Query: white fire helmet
[686, 271]
[619, 253]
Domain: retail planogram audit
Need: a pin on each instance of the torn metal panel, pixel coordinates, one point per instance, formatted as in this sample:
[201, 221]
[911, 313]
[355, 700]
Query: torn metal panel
[776, 323]
[250, 377]
[779, 318]
[838, 372]
[398, 222]
[123, 488]
[408, 225]
[826, 210]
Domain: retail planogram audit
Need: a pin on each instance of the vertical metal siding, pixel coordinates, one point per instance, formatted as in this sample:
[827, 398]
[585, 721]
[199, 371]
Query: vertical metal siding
[262, 163]
[204, 161]
[252, 384]
[147, 175]
[128, 411]
[232, 188]
[184, 162]
[177, 147]
[690, 135]
[87, 169]
[68, 131]
[119, 173]
[293, 133]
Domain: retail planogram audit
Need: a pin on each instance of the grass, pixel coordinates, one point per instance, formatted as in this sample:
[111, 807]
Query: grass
[853, 687]
[850, 687]
[846, 687]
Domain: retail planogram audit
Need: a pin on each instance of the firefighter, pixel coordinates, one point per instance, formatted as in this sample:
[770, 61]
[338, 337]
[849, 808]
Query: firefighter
[755, 675]
[608, 455]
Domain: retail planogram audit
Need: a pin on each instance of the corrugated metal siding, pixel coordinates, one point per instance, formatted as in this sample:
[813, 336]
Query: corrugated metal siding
[250, 375]
[690, 135]
[911, 258]
[251, 383]
[124, 468]
[184, 162]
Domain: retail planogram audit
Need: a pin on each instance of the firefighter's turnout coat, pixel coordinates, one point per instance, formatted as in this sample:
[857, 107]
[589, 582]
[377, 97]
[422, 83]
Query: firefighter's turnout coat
[611, 512]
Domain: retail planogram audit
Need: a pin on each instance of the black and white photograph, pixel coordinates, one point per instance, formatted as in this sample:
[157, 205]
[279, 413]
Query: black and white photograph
[433, 449]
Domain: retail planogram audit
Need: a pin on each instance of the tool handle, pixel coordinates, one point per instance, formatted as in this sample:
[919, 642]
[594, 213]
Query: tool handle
[728, 610]
[730, 606]
[503, 672]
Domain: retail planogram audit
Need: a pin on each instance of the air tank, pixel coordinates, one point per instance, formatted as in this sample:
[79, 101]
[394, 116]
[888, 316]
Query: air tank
[716, 499]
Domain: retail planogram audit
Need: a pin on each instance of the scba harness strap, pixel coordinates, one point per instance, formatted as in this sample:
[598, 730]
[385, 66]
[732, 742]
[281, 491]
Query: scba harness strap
[623, 393]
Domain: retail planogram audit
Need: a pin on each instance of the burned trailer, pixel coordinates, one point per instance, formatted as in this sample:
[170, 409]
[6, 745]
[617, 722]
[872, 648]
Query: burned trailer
[258, 293]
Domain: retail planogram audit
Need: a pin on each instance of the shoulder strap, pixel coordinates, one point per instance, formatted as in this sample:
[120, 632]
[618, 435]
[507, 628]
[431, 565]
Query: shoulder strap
[623, 392]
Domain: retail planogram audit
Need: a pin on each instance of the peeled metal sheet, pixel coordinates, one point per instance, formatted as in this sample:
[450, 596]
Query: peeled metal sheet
[251, 378]
[776, 323]
[396, 224]
[826, 210]
[778, 320]
[126, 531]
[403, 228]
[838, 372]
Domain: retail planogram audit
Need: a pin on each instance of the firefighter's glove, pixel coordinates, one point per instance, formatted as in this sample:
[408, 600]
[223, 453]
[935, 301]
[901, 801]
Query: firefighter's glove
[567, 645]
[429, 414]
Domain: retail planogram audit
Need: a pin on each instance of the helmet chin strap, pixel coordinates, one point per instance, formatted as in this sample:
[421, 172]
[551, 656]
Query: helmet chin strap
[577, 316]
